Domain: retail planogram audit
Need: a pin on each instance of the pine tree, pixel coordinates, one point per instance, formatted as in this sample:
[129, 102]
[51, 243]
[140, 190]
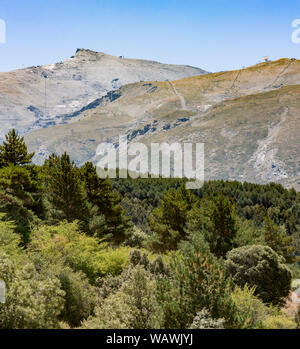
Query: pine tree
[225, 227]
[19, 198]
[197, 281]
[168, 221]
[99, 191]
[13, 151]
[278, 240]
[65, 190]
[108, 203]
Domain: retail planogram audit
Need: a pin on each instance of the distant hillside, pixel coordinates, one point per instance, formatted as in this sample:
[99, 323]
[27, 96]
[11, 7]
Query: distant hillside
[248, 119]
[52, 94]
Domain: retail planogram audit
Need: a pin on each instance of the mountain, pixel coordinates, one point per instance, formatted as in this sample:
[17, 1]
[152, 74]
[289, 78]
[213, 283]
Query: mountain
[53, 94]
[248, 119]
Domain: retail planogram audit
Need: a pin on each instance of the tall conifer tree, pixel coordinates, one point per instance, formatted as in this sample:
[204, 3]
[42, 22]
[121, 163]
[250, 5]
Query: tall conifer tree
[14, 151]
[65, 189]
[168, 221]
[108, 203]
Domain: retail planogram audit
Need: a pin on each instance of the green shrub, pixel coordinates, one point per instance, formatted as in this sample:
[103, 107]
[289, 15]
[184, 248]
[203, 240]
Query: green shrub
[197, 280]
[204, 321]
[80, 296]
[80, 252]
[251, 311]
[33, 301]
[9, 241]
[133, 306]
[261, 267]
[137, 239]
[279, 322]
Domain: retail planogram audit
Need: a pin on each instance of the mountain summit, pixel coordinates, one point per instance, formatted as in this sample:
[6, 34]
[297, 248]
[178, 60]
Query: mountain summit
[43, 96]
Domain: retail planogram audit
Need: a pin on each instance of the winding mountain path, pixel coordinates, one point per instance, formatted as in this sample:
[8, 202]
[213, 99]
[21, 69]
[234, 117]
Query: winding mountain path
[281, 73]
[181, 98]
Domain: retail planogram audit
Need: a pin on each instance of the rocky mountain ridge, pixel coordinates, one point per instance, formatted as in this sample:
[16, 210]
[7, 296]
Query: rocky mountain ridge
[43, 96]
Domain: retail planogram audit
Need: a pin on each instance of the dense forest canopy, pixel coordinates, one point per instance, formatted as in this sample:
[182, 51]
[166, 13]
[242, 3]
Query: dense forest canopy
[78, 251]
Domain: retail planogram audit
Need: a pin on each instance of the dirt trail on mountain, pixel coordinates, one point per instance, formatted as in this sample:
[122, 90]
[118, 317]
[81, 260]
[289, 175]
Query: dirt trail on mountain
[282, 72]
[233, 87]
[181, 98]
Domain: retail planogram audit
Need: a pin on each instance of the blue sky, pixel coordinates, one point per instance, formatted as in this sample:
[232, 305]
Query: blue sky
[213, 34]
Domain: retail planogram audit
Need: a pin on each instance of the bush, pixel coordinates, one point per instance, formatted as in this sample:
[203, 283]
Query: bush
[137, 239]
[197, 280]
[109, 261]
[133, 306]
[80, 252]
[33, 301]
[9, 241]
[113, 314]
[251, 311]
[203, 321]
[80, 296]
[261, 267]
[279, 322]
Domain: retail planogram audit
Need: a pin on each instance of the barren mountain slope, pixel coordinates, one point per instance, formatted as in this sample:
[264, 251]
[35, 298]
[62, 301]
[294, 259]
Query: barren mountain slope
[49, 95]
[249, 121]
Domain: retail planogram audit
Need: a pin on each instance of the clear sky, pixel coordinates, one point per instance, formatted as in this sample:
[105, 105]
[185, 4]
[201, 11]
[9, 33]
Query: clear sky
[213, 34]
